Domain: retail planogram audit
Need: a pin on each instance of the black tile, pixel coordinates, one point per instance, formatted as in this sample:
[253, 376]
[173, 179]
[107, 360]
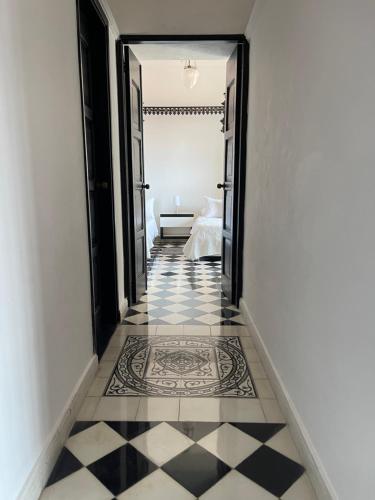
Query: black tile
[122, 468]
[169, 273]
[261, 432]
[195, 430]
[130, 430]
[196, 469]
[66, 464]
[80, 426]
[228, 313]
[270, 469]
[132, 312]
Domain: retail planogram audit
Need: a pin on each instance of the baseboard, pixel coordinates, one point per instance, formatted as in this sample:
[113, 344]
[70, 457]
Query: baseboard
[123, 307]
[317, 474]
[54, 443]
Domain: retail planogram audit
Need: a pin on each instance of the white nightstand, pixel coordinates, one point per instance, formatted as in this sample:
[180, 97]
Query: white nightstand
[176, 221]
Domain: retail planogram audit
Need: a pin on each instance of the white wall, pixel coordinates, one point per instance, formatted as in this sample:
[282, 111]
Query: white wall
[113, 35]
[183, 154]
[310, 240]
[45, 320]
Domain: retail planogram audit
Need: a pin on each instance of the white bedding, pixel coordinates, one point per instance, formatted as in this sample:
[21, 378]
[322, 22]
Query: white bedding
[151, 233]
[151, 226]
[205, 238]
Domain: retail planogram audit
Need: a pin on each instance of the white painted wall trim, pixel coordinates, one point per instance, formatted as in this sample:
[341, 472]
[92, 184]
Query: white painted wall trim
[315, 469]
[55, 441]
[111, 20]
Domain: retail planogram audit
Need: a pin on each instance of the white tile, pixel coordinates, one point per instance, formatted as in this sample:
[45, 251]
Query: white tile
[229, 444]
[137, 319]
[247, 342]
[227, 330]
[238, 319]
[178, 298]
[174, 318]
[300, 490]
[197, 330]
[156, 486]
[81, 485]
[200, 409]
[149, 298]
[176, 308]
[88, 408]
[208, 308]
[272, 411]
[111, 353]
[161, 443]
[97, 387]
[155, 408]
[257, 370]
[204, 283]
[264, 389]
[241, 410]
[178, 290]
[144, 307]
[207, 290]
[237, 486]
[207, 298]
[251, 355]
[94, 442]
[105, 368]
[169, 330]
[283, 443]
[117, 340]
[153, 289]
[209, 319]
[140, 329]
[116, 408]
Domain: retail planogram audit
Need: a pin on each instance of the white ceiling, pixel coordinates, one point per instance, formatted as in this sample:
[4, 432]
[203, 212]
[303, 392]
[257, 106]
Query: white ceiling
[182, 51]
[179, 17]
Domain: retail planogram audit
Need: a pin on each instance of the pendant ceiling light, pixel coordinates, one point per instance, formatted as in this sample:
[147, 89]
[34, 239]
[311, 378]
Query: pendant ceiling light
[190, 74]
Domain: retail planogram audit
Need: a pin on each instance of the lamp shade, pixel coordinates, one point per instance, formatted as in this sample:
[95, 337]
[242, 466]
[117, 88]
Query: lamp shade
[190, 75]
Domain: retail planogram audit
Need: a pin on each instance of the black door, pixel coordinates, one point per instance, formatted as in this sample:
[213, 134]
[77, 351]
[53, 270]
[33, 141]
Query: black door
[134, 176]
[97, 139]
[234, 179]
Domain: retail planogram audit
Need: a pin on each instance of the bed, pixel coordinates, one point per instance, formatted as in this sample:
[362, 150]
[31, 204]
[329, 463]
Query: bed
[205, 238]
[151, 226]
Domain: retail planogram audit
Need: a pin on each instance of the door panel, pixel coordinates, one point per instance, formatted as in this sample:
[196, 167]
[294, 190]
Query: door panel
[230, 185]
[133, 119]
[97, 145]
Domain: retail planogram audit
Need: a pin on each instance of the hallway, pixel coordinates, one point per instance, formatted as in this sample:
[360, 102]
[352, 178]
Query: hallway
[108, 392]
[181, 407]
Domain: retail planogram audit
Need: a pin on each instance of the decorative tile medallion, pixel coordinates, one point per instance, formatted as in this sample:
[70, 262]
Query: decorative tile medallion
[181, 366]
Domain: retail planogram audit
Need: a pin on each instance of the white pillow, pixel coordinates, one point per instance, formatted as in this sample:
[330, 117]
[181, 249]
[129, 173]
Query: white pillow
[213, 208]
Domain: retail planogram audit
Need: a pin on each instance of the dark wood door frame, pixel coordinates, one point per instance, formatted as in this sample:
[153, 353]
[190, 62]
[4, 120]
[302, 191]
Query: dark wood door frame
[241, 109]
[99, 187]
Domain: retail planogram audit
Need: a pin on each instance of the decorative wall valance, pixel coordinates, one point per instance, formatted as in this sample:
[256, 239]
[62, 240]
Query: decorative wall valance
[183, 110]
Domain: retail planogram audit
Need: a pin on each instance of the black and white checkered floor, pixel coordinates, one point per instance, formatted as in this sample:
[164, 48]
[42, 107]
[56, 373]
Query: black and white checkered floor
[180, 291]
[177, 461]
[181, 407]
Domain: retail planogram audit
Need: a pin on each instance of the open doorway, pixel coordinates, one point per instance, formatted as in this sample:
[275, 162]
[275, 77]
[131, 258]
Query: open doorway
[183, 156]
